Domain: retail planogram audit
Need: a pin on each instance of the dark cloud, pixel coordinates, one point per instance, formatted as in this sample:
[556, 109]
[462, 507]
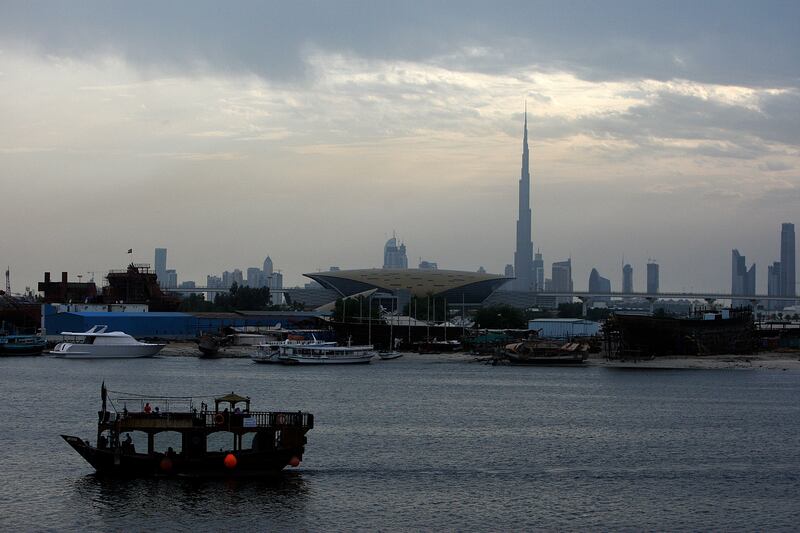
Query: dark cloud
[719, 129]
[728, 42]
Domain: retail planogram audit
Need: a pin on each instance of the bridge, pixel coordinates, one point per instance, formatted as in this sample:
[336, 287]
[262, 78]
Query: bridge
[214, 290]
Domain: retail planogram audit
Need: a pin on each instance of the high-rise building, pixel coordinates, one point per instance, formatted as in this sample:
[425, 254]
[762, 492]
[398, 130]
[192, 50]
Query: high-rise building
[509, 271]
[562, 279]
[538, 272]
[255, 277]
[523, 256]
[160, 265]
[237, 278]
[267, 267]
[788, 265]
[227, 280]
[652, 278]
[598, 283]
[743, 280]
[627, 279]
[774, 284]
[171, 279]
[394, 255]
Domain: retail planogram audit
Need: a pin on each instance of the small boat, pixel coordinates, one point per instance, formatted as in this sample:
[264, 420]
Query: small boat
[20, 344]
[97, 343]
[209, 345]
[261, 443]
[538, 352]
[387, 355]
[269, 352]
[314, 354]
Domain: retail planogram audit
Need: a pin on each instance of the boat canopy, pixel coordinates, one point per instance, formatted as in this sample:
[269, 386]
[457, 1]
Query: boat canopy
[232, 399]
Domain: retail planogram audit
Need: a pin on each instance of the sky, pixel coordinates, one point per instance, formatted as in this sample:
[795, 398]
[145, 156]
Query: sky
[311, 131]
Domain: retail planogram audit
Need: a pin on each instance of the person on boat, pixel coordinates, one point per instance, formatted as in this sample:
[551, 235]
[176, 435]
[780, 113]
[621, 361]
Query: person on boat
[147, 409]
[125, 411]
[237, 411]
[157, 411]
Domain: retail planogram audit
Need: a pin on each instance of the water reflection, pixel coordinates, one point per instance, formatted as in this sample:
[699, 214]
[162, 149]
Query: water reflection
[151, 501]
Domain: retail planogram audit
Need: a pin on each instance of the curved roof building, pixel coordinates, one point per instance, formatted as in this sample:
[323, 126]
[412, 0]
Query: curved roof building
[455, 285]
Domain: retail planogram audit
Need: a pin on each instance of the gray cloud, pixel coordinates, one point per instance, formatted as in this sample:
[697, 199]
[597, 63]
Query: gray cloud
[713, 41]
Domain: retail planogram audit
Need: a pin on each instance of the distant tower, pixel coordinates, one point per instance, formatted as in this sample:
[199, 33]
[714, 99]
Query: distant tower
[743, 280]
[652, 278]
[598, 283]
[788, 267]
[509, 271]
[774, 284]
[394, 256]
[561, 279]
[267, 267]
[160, 265]
[523, 256]
[538, 272]
[627, 279]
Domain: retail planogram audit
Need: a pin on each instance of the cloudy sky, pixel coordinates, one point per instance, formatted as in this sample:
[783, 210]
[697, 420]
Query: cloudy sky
[310, 131]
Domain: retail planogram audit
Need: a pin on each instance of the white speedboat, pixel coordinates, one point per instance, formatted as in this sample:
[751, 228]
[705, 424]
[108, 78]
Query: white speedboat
[386, 355]
[97, 343]
[325, 355]
[269, 352]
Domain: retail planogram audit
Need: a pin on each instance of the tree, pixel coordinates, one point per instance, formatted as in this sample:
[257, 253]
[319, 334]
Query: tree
[500, 317]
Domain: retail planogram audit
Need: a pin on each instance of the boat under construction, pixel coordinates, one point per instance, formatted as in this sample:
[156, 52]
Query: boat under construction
[261, 443]
[730, 331]
[539, 352]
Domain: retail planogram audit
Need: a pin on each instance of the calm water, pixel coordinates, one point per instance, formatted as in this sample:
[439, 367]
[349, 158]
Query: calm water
[422, 444]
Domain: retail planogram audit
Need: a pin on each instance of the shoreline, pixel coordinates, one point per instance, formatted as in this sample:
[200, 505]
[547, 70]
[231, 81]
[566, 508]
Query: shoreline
[789, 361]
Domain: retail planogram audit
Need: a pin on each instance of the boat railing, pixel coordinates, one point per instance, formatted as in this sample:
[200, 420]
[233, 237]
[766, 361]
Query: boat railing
[206, 419]
[260, 419]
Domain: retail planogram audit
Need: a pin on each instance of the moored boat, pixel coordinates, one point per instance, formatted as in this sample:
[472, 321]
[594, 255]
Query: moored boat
[387, 355]
[261, 443]
[269, 352]
[20, 344]
[537, 352]
[97, 343]
[314, 354]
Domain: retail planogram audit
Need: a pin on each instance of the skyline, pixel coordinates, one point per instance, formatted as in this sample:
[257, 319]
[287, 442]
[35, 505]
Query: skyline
[677, 140]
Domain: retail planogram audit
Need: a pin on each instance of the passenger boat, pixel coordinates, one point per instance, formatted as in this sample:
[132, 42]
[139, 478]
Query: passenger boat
[20, 344]
[97, 343]
[269, 352]
[261, 443]
[314, 354]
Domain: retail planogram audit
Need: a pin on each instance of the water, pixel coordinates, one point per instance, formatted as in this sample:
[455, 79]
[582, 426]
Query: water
[420, 443]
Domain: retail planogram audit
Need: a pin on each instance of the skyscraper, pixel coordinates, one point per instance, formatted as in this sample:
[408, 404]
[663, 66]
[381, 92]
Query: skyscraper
[788, 271]
[598, 283]
[743, 280]
[394, 256]
[652, 278]
[627, 279]
[774, 284]
[562, 279]
[538, 272]
[160, 265]
[523, 256]
[268, 267]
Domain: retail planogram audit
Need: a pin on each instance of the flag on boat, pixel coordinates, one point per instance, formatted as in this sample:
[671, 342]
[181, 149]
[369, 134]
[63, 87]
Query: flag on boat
[130, 250]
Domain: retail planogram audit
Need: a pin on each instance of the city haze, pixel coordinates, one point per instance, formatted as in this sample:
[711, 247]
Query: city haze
[311, 132]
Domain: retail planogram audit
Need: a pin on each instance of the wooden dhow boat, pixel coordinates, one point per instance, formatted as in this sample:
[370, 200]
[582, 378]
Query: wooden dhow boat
[257, 443]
